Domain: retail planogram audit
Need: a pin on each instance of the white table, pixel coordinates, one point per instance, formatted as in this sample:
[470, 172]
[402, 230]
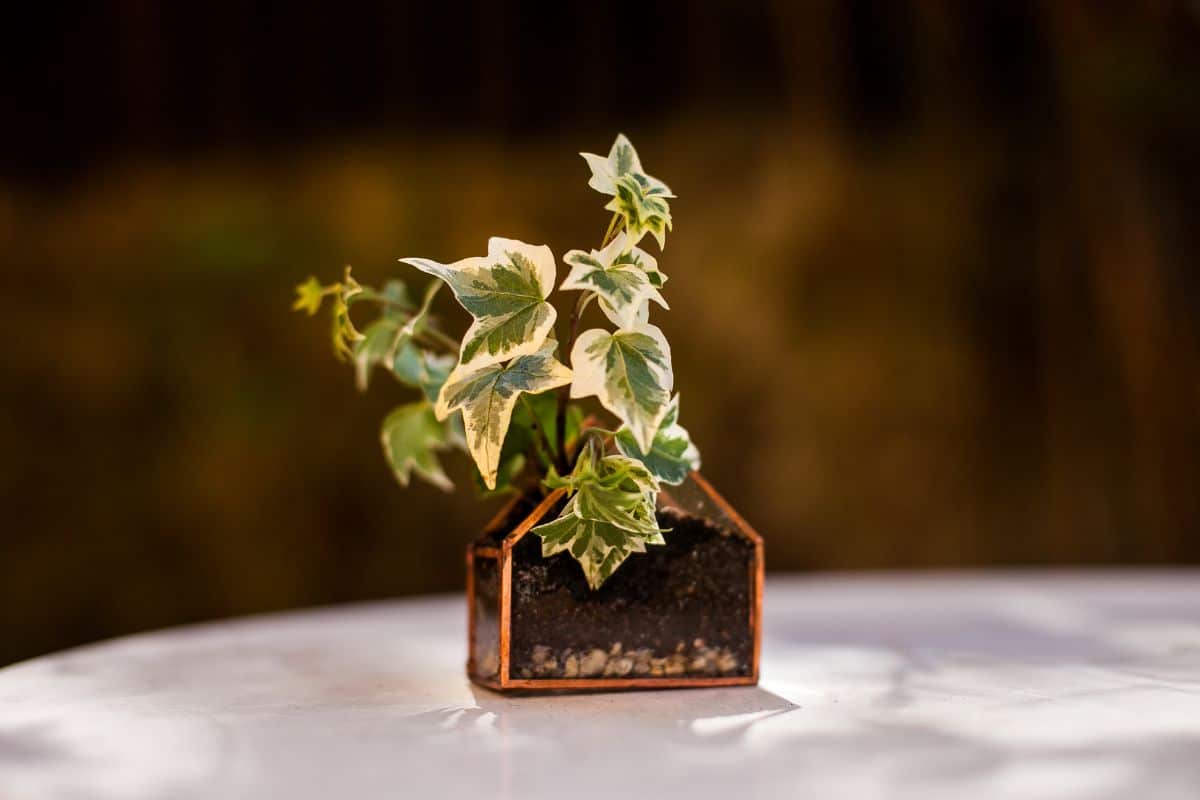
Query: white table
[960, 686]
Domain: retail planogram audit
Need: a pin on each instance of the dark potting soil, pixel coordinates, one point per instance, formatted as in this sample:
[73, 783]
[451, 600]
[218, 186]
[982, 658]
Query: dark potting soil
[679, 609]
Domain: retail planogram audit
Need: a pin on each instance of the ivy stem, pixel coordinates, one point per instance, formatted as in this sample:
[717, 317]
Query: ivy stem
[442, 339]
[614, 227]
[595, 433]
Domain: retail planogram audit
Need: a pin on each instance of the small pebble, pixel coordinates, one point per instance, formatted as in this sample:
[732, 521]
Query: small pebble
[593, 663]
[726, 662]
[571, 666]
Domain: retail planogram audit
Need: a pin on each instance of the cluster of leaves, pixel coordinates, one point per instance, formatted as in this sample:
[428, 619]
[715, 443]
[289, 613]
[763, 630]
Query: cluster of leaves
[503, 395]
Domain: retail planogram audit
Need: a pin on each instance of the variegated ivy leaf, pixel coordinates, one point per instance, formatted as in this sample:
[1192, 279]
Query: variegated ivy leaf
[609, 516]
[630, 372]
[505, 291]
[486, 395]
[599, 547]
[622, 160]
[639, 198]
[643, 211]
[620, 279]
[389, 341]
[624, 499]
[671, 455]
[411, 435]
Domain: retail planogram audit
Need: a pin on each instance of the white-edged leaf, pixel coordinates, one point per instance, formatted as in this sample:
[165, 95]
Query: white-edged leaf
[486, 396]
[642, 211]
[620, 279]
[639, 198]
[609, 516]
[598, 546]
[630, 372]
[411, 435]
[671, 455]
[622, 159]
[505, 292]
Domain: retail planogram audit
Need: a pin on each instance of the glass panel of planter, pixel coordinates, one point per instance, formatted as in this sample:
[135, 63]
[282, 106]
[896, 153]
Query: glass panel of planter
[687, 613]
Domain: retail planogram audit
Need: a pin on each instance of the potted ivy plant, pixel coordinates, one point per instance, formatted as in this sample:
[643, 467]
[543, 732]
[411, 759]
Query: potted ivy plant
[615, 564]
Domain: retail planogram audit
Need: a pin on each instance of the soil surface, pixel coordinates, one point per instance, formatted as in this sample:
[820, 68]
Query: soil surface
[680, 609]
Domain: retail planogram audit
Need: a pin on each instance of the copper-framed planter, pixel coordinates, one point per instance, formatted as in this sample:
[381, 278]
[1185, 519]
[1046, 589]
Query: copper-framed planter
[688, 614]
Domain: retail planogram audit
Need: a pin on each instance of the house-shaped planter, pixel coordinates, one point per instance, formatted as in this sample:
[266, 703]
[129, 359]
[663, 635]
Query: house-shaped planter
[684, 614]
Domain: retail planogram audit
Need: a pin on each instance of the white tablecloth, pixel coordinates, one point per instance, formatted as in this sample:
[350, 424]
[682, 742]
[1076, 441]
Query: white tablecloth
[958, 686]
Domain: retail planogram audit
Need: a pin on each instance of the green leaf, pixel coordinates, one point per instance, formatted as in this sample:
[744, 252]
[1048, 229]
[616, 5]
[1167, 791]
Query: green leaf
[486, 396]
[630, 372]
[639, 198]
[671, 455]
[505, 292]
[411, 435]
[620, 279]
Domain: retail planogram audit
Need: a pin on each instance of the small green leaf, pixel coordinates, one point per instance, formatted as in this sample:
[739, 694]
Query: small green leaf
[630, 372]
[620, 279]
[671, 456]
[309, 296]
[505, 292]
[486, 396]
[411, 435]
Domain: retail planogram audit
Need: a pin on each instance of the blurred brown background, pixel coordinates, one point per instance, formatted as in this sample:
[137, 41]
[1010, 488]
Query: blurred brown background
[934, 279]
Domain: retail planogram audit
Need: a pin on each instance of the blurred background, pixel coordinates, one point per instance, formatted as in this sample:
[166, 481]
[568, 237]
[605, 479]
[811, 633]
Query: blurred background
[934, 285]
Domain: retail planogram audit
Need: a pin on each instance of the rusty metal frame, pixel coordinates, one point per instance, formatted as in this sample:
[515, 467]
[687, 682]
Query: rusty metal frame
[504, 682]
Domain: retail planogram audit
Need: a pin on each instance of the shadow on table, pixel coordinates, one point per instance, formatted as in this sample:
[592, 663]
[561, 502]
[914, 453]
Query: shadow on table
[719, 715]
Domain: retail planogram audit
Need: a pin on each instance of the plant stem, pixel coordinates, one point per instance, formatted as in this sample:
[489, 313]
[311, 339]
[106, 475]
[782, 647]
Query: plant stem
[442, 339]
[614, 227]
